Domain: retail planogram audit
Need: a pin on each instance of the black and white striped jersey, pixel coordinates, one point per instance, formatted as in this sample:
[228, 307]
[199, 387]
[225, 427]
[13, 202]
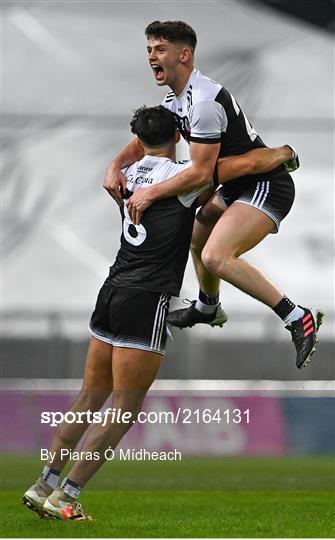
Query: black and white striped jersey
[208, 113]
[153, 255]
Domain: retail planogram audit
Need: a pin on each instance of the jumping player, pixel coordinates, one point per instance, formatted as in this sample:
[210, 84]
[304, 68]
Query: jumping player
[128, 324]
[241, 213]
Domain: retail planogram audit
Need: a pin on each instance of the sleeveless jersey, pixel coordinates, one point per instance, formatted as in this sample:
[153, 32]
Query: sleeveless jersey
[207, 113]
[153, 255]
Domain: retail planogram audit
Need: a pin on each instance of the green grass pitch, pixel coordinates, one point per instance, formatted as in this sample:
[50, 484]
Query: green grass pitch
[205, 497]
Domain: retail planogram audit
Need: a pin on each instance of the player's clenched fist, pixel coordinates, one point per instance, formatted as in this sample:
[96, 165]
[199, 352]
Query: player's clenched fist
[115, 182]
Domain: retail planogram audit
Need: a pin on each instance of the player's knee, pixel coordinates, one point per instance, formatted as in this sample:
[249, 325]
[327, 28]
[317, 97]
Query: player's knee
[126, 416]
[91, 400]
[129, 412]
[216, 262]
[128, 403]
[210, 259]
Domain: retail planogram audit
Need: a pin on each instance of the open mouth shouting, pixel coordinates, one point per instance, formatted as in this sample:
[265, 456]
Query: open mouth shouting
[158, 72]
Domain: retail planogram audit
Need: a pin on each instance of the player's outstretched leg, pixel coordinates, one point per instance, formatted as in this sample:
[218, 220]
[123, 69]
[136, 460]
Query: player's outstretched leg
[97, 386]
[133, 373]
[206, 309]
[240, 229]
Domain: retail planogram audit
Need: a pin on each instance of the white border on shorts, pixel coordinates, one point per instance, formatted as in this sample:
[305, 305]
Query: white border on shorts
[250, 203]
[125, 344]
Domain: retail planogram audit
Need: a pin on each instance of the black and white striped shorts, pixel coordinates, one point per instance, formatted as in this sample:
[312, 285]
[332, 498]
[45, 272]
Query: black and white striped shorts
[132, 318]
[273, 196]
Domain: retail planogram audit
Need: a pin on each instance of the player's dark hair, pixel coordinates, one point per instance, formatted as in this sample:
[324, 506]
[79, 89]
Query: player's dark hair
[155, 126]
[174, 31]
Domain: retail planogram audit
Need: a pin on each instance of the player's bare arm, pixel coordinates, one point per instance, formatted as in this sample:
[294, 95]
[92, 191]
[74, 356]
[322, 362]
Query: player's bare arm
[260, 160]
[256, 161]
[203, 156]
[115, 179]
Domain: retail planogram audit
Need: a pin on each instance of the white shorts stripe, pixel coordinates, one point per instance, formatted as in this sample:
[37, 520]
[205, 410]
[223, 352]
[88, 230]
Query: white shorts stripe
[260, 195]
[156, 321]
[159, 320]
[255, 194]
[267, 189]
[162, 322]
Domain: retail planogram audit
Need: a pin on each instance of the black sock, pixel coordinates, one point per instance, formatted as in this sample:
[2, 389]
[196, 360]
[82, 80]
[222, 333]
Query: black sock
[209, 299]
[284, 307]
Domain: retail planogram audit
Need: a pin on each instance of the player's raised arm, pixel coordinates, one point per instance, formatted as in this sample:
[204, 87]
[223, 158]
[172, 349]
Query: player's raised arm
[260, 160]
[114, 178]
[203, 156]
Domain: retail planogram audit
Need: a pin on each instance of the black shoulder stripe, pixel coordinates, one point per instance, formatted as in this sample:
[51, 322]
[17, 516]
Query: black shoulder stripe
[205, 141]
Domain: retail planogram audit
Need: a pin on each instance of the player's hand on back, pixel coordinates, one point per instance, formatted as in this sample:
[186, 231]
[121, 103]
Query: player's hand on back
[115, 183]
[138, 203]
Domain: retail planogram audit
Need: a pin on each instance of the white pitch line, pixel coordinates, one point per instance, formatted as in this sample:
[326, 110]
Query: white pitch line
[39, 35]
[79, 248]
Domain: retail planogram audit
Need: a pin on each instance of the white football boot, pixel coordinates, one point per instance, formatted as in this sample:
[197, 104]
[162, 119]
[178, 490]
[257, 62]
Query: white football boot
[35, 497]
[59, 505]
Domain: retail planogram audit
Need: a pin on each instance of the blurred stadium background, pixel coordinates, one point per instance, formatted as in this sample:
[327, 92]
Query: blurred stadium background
[73, 73]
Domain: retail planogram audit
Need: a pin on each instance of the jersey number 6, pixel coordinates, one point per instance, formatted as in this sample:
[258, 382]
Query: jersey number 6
[134, 234]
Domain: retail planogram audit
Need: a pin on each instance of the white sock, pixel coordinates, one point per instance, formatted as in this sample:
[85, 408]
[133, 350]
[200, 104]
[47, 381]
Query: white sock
[205, 308]
[294, 315]
[50, 476]
[71, 488]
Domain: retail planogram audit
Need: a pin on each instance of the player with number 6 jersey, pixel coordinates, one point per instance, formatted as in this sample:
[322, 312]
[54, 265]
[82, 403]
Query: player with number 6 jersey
[150, 263]
[153, 255]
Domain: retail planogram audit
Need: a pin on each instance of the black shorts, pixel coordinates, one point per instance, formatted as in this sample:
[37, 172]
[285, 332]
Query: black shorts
[132, 318]
[274, 196]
